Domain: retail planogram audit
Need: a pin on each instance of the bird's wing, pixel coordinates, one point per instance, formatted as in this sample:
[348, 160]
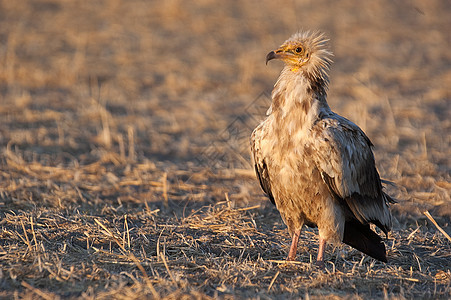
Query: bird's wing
[342, 153]
[261, 167]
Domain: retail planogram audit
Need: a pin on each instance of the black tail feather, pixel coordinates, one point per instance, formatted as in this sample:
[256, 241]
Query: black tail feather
[362, 238]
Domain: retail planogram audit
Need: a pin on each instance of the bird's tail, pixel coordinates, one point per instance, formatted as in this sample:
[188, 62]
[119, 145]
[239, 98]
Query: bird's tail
[362, 238]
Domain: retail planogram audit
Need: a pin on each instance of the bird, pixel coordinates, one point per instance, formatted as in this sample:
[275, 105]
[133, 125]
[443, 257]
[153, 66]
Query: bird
[316, 166]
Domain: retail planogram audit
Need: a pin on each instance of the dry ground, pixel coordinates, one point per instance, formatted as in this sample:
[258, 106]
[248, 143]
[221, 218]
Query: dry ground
[125, 171]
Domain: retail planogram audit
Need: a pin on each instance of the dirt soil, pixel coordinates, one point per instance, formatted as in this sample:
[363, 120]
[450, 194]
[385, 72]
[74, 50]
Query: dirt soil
[124, 148]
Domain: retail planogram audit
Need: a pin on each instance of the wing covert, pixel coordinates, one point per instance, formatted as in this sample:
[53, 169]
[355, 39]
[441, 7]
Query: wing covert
[343, 155]
[261, 167]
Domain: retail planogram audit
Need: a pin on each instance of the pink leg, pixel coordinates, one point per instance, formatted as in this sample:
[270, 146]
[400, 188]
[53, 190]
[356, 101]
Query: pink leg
[294, 245]
[321, 248]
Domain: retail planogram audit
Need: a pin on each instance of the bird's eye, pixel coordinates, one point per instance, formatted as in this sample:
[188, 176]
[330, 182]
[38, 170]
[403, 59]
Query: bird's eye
[298, 50]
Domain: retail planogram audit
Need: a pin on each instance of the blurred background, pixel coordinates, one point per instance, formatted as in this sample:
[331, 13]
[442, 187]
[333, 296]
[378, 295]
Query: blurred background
[124, 146]
[182, 84]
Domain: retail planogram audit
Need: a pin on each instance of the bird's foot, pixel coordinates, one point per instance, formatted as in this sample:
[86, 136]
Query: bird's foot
[291, 258]
[320, 257]
[294, 246]
[320, 264]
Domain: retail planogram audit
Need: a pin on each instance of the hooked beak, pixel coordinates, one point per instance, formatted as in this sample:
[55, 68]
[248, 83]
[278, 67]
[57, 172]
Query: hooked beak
[278, 54]
[271, 55]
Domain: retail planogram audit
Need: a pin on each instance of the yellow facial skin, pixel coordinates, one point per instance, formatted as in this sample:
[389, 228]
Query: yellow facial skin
[294, 55]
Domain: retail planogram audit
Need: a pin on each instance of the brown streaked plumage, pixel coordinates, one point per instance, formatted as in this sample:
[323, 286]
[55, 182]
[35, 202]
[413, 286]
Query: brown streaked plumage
[316, 166]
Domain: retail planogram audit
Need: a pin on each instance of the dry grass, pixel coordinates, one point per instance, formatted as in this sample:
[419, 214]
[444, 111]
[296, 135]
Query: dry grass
[124, 148]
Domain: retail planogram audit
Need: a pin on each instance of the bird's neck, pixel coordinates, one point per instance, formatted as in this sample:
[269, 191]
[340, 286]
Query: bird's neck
[300, 96]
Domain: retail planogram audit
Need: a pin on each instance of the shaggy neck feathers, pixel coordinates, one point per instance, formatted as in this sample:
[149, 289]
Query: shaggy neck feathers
[297, 93]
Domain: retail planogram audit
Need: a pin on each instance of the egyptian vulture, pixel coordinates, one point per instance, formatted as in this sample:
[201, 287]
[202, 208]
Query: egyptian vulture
[316, 166]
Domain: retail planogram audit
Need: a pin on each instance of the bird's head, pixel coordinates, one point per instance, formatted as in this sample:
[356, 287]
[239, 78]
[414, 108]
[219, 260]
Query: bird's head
[304, 51]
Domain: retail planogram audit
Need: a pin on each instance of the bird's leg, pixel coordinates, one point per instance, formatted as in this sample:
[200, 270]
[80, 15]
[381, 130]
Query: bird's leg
[294, 245]
[320, 257]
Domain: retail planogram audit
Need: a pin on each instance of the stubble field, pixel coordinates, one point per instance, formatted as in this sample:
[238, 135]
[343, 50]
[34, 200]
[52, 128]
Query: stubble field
[124, 148]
